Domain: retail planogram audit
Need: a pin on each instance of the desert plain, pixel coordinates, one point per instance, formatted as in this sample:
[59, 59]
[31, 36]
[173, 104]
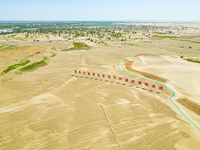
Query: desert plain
[52, 107]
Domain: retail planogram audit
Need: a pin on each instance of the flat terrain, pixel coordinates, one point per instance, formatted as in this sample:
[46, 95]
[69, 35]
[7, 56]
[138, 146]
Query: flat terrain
[51, 107]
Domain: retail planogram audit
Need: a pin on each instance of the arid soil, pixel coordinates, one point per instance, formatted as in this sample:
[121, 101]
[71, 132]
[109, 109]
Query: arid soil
[51, 107]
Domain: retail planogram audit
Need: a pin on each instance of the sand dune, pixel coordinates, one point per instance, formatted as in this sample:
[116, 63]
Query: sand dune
[183, 76]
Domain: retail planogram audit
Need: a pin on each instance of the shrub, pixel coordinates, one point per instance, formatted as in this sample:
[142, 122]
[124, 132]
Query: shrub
[193, 60]
[53, 55]
[79, 45]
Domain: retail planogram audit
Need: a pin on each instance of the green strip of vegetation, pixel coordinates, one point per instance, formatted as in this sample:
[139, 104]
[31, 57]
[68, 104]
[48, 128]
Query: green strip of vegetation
[8, 47]
[22, 63]
[193, 60]
[11, 36]
[159, 33]
[170, 37]
[106, 45]
[36, 65]
[53, 55]
[129, 44]
[33, 54]
[188, 41]
[145, 41]
[78, 46]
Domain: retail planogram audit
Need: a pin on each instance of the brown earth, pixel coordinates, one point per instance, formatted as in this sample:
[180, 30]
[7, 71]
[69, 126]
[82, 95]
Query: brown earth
[23, 51]
[193, 106]
[128, 66]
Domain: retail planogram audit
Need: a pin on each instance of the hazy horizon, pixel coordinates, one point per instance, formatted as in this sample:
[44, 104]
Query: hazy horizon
[89, 10]
[90, 21]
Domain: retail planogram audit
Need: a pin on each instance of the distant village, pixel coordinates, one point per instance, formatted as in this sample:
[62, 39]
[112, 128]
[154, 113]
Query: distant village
[97, 33]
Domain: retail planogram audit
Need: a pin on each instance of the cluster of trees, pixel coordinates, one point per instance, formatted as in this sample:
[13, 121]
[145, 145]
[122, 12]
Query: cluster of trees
[102, 30]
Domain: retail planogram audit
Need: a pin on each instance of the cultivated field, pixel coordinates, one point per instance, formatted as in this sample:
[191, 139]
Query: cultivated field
[48, 106]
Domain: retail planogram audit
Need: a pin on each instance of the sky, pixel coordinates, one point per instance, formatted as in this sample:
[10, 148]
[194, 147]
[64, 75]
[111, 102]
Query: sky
[100, 10]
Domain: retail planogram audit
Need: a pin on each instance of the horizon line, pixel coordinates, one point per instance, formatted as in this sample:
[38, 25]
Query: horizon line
[101, 20]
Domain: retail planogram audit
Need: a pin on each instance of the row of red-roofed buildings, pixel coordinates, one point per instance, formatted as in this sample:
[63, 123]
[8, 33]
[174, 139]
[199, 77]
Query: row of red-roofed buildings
[114, 77]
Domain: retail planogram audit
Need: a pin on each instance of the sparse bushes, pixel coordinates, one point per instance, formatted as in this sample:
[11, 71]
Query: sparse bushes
[129, 44]
[145, 41]
[109, 38]
[193, 60]
[190, 47]
[170, 37]
[53, 55]
[8, 47]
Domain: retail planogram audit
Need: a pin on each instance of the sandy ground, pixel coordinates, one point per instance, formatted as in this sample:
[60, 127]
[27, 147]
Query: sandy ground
[53, 108]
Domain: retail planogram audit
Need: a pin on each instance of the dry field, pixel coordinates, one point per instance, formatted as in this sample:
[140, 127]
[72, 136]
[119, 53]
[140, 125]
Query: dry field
[50, 107]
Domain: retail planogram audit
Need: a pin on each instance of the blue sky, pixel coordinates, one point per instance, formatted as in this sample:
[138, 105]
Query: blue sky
[100, 10]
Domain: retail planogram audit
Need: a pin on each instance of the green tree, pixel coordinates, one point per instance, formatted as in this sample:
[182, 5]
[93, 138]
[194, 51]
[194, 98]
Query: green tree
[27, 35]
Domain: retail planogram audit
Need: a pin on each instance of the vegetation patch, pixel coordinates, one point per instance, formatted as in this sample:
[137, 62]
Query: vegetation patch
[191, 105]
[129, 44]
[8, 47]
[53, 55]
[193, 60]
[20, 39]
[145, 41]
[159, 33]
[53, 48]
[170, 37]
[33, 54]
[36, 65]
[188, 41]
[106, 45]
[11, 36]
[78, 46]
[6, 80]
[22, 63]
